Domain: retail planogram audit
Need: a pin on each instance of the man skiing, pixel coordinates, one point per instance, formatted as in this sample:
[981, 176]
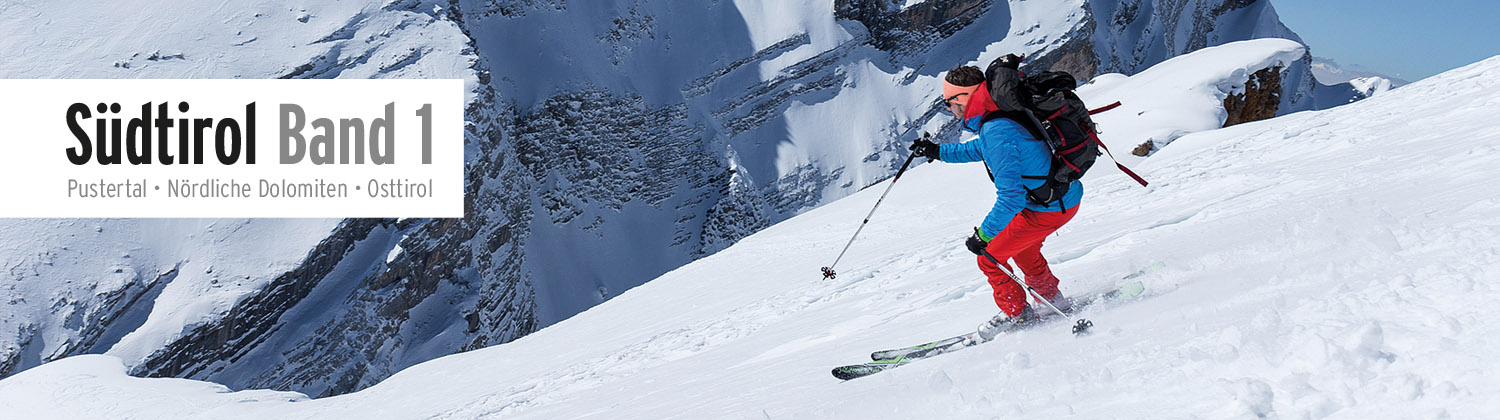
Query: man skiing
[1015, 227]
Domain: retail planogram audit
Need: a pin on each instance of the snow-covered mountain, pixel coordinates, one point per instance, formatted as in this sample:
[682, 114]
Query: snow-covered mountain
[608, 143]
[129, 286]
[1330, 72]
[1337, 85]
[1335, 263]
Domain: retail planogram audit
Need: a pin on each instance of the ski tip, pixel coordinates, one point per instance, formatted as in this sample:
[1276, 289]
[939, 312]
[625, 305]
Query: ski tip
[863, 370]
[845, 374]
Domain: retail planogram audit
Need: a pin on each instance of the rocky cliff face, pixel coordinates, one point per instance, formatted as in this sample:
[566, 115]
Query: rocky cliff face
[606, 146]
[1134, 34]
[380, 295]
[1259, 101]
[253, 318]
[911, 30]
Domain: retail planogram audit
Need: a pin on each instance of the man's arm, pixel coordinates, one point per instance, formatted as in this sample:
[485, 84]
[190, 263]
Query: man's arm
[1002, 156]
[969, 151]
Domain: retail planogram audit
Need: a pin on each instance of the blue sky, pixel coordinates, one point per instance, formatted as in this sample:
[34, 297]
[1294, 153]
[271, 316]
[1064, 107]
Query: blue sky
[1403, 38]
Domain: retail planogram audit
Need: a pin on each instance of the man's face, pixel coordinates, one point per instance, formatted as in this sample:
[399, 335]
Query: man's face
[956, 104]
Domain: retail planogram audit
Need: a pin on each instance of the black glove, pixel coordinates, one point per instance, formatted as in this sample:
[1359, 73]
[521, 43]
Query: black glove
[925, 148]
[975, 244]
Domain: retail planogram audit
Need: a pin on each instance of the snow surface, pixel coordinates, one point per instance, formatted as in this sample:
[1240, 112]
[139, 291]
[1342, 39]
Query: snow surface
[1330, 264]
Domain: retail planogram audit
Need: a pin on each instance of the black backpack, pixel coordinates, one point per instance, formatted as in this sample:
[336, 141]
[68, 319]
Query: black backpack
[1046, 106]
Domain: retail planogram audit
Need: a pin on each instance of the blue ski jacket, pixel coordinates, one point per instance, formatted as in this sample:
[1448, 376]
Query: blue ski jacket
[1010, 152]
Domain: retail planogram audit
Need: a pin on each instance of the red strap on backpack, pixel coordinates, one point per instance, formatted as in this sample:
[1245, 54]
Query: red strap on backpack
[1095, 137]
[1122, 167]
[1105, 108]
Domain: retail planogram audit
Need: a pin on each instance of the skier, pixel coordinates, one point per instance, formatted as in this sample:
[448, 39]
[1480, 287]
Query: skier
[1015, 227]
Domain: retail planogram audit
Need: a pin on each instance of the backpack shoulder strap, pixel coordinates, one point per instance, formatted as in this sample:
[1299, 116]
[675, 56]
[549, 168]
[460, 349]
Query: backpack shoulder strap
[1020, 117]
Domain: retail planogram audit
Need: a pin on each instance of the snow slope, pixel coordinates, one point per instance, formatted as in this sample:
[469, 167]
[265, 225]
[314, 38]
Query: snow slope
[1330, 264]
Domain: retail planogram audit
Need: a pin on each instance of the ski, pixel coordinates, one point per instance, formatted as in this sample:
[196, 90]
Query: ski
[928, 349]
[889, 359]
[1129, 290]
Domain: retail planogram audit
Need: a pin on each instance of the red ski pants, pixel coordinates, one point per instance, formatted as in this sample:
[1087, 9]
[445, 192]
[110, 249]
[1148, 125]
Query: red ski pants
[1022, 241]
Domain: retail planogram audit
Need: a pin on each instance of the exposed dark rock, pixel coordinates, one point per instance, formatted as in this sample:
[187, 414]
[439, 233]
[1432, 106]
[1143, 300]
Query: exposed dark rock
[739, 213]
[249, 321]
[1076, 56]
[1144, 148]
[905, 31]
[518, 8]
[1230, 5]
[1259, 101]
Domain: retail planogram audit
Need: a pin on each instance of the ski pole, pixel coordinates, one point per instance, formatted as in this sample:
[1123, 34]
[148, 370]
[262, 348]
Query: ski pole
[1079, 327]
[828, 271]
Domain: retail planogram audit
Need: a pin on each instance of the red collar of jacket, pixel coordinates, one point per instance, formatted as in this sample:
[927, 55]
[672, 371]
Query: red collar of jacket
[980, 103]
